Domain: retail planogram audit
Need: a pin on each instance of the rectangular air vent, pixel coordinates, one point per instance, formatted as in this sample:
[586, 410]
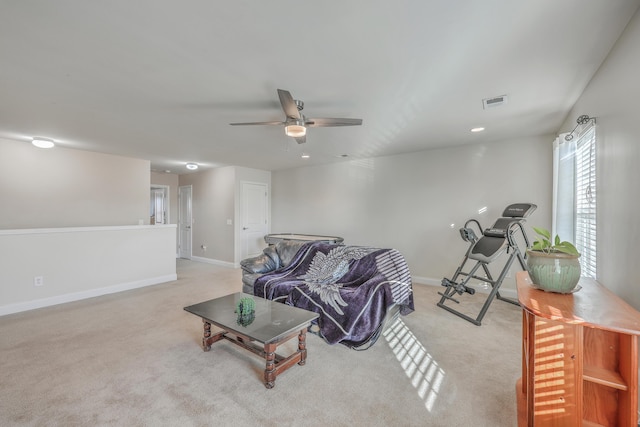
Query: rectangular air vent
[494, 102]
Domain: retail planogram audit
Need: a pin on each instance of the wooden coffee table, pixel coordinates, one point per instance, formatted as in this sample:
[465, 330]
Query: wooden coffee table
[274, 323]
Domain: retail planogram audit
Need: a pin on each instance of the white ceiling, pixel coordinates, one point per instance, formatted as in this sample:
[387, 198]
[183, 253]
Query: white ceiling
[161, 79]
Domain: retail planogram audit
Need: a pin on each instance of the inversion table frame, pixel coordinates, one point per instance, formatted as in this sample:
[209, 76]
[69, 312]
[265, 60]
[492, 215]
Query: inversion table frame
[489, 247]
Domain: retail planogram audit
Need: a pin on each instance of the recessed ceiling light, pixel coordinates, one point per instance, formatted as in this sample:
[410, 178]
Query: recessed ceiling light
[192, 166]
[42, 142]
[479, 129]
[305, 156]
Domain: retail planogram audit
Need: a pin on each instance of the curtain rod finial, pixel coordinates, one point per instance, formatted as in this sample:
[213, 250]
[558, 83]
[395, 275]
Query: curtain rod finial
[584, 119]
[581, 120]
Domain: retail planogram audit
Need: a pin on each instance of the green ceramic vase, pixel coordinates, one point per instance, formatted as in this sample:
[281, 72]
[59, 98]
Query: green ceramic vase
[555, 272]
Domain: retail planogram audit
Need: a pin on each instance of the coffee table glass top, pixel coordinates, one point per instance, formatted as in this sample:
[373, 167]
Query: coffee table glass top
[273, 320]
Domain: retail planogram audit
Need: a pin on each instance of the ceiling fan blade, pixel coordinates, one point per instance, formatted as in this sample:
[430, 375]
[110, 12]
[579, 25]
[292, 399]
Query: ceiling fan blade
[288, 104]
[325, 122]
[301, 139]
[256, 123]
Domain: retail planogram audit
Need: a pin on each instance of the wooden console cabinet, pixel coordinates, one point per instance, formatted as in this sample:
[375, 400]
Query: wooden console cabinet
[579, 357]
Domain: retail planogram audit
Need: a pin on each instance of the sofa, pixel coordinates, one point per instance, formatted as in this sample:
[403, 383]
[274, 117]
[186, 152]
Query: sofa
[357, 291]
[273, 257]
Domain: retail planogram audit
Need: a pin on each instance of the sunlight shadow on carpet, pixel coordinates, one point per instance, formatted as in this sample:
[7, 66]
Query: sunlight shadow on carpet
[423, 371]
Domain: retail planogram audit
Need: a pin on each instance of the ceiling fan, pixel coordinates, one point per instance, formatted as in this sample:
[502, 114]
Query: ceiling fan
[296, 123]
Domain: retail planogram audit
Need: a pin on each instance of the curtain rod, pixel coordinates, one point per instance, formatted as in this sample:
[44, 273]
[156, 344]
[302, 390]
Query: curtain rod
[582, 120]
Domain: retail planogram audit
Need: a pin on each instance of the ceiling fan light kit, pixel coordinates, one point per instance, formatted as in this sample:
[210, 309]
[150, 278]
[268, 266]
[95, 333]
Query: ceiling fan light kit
[296, 124]
[296, 130]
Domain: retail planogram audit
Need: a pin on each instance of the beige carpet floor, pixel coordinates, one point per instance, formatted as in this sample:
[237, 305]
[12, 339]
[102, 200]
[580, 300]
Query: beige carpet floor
[134, 359]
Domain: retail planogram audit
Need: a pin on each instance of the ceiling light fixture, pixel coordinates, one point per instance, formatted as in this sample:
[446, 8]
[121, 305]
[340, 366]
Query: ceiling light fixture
[295, 129]
[305, 156]
[42, 142]
[192, 166]
[478, 129]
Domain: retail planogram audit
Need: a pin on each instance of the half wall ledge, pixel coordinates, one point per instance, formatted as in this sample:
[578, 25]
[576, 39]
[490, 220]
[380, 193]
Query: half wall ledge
[50, 266]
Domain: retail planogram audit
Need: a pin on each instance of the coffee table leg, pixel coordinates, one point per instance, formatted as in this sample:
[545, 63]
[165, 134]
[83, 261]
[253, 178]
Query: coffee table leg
[207, 338]
[302, 347]
[270, 370]
[207, 335]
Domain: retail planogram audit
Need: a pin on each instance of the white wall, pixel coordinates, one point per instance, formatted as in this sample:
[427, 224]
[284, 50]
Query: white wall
[409, 201]
[215, 200]
[72, 217]
[61, 187]
[81, 262]
[613, 97]
[212, 205]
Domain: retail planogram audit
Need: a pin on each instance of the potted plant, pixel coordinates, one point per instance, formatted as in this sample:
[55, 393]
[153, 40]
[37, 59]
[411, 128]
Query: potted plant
[553, 264]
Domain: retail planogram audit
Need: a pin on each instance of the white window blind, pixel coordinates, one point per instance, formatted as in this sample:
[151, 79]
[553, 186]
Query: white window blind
[585, 207]
[574, 194]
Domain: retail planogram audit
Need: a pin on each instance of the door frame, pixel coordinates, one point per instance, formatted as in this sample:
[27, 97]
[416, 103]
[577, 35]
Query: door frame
[167, 200]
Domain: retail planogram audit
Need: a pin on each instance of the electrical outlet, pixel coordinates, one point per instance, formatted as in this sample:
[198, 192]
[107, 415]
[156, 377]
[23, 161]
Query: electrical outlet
[38, 281]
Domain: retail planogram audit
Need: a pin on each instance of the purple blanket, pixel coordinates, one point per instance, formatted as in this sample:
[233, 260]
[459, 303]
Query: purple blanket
[350, 287]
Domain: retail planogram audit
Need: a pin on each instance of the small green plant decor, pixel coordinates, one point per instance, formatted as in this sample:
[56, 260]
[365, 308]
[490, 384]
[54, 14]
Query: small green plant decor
[543, 243]
[553, 264]
[246, 311]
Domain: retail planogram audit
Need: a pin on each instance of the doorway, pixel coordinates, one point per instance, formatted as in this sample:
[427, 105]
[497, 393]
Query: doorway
[159, 205]
[185, 221]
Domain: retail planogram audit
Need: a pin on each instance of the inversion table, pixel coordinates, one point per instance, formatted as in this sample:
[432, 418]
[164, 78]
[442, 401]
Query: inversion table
[485, 250]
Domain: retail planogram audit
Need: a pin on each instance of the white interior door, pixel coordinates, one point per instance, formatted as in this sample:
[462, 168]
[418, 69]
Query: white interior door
[254, 217]
[185, 221]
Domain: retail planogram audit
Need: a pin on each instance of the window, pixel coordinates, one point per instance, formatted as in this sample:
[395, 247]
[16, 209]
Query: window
[585, 191]
[574, 204]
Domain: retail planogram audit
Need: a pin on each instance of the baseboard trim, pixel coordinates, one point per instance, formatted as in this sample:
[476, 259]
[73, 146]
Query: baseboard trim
[215, 262]
[426, 281]
[505, 292]
[91, 293]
